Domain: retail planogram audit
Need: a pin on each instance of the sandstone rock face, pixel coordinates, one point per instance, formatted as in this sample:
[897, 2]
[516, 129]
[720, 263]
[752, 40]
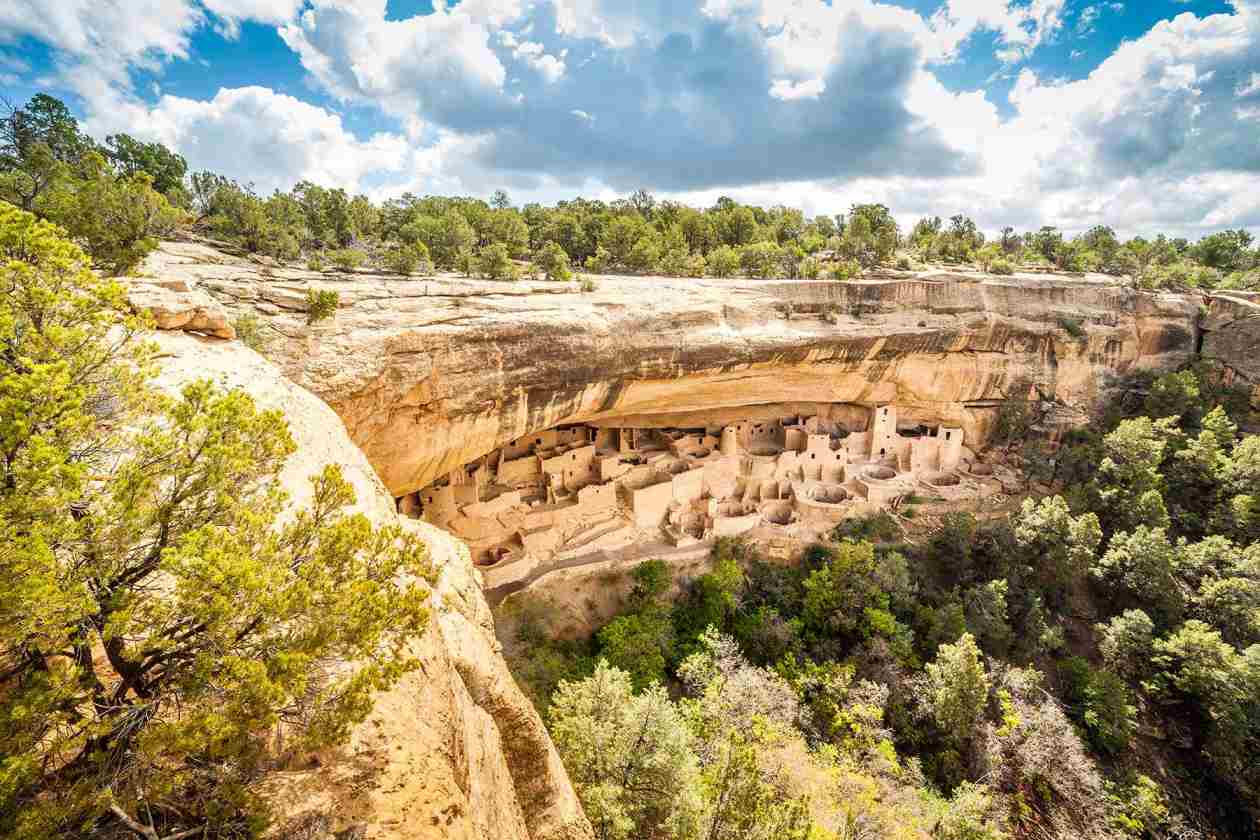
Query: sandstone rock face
[174, 305]
[455, 750]
[431, 373]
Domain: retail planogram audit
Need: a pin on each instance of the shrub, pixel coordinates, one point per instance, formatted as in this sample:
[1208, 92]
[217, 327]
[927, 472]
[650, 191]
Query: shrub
[347, 259]
[554, 262]
[118, 218]
[321, 304]
[250, 331]
[407, 259]
[495, 263]
[723, 261]
[588, 284]
[1072, 326]
[846, 270]
[315, 261]
[599, 261]
[809, 269]
[904, 263]
[1001, 266]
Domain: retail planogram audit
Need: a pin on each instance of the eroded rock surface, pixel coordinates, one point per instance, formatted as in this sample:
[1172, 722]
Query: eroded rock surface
[455, 750]
[431, 373]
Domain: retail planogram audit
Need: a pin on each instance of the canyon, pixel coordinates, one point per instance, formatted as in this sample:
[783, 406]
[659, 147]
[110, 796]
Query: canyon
[419, 379]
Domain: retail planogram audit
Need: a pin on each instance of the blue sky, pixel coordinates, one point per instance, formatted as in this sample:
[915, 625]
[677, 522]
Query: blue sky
[1136, 113]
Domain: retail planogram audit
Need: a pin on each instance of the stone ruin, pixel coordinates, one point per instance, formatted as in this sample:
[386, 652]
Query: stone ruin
[551, 491]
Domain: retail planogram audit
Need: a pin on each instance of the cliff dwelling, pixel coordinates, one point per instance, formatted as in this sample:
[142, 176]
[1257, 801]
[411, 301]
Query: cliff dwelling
[557, 491]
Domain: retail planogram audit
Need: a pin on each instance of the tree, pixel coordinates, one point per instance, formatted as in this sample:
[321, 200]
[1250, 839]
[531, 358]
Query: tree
[407, 259]
[1142, 564]
[630, 756]
[1126, 642]
[117, 217]
[1059, 546]
[1128, 486]
[638, 643]
[160, 616]
[167, 169]
[723, 261]
[554, 262]
[495, 263]
[957, 688]
[500, 200]
[321, 304]
[761, 259]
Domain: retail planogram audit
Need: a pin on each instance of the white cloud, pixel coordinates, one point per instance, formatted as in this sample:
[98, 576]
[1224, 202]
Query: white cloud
[1020, 27]
[788, 90]
[254, 134]
[427, 63]
[1249, 87]
[231, 12]
[107, 35]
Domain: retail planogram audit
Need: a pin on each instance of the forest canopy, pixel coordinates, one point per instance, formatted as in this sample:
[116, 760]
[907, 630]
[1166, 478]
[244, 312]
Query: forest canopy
[117, 199]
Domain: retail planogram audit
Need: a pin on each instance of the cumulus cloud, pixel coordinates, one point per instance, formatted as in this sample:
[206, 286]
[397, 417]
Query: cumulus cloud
[810, 102]
[254, 134]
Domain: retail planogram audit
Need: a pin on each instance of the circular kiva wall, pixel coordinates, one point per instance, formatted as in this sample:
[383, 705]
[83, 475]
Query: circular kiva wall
[777, 513]
[942, 479]
[830, 494]
[880, 473]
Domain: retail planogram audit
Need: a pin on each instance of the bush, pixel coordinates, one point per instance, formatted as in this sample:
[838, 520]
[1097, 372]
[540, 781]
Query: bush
[1072, 326]
[1001, 266]
[250, 331]
[554, 262]
[495, 263]
[588, 284]
[904, 264]
[321, 304]
[407, 259]
[845, 270]
[315, 261]
[347, 259]
[118, 218]
[723, 261]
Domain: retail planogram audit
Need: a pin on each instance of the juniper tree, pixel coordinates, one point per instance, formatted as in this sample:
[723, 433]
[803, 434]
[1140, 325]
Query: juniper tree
[162, 616]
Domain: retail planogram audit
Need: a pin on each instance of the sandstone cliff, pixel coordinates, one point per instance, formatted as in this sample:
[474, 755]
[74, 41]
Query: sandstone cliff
[430, 373]
[455, 750]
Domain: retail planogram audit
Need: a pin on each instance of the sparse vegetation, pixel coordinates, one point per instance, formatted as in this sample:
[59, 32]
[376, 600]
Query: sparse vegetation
[251, 331]
[321, 304]
[347, 259]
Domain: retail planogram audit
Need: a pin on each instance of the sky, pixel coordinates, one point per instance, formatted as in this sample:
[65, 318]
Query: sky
[1139, 114]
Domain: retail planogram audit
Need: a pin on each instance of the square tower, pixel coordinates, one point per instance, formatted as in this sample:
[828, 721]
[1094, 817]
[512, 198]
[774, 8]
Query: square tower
[884, 432]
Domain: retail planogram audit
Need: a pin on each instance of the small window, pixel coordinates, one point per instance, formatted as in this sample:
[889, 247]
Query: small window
[881, 452]
[813, 456]
[538, 441]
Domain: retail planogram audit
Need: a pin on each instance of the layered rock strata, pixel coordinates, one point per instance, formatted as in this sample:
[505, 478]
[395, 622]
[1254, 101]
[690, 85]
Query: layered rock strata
[432, 373]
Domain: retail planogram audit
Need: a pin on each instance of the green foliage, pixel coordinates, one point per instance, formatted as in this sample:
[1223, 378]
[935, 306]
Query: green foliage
[1101, 703]
[1126, 643]
[161, 616]
[347, 259]
[630, 756]
[1142, 564]
[723, 261]
[407, 259]
[117, 217]
[494, 263]
[1001, 266]
[166, 169]
[251, 331]
[321, 304]
[638, 644]
[554, 262]
[957, 688]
